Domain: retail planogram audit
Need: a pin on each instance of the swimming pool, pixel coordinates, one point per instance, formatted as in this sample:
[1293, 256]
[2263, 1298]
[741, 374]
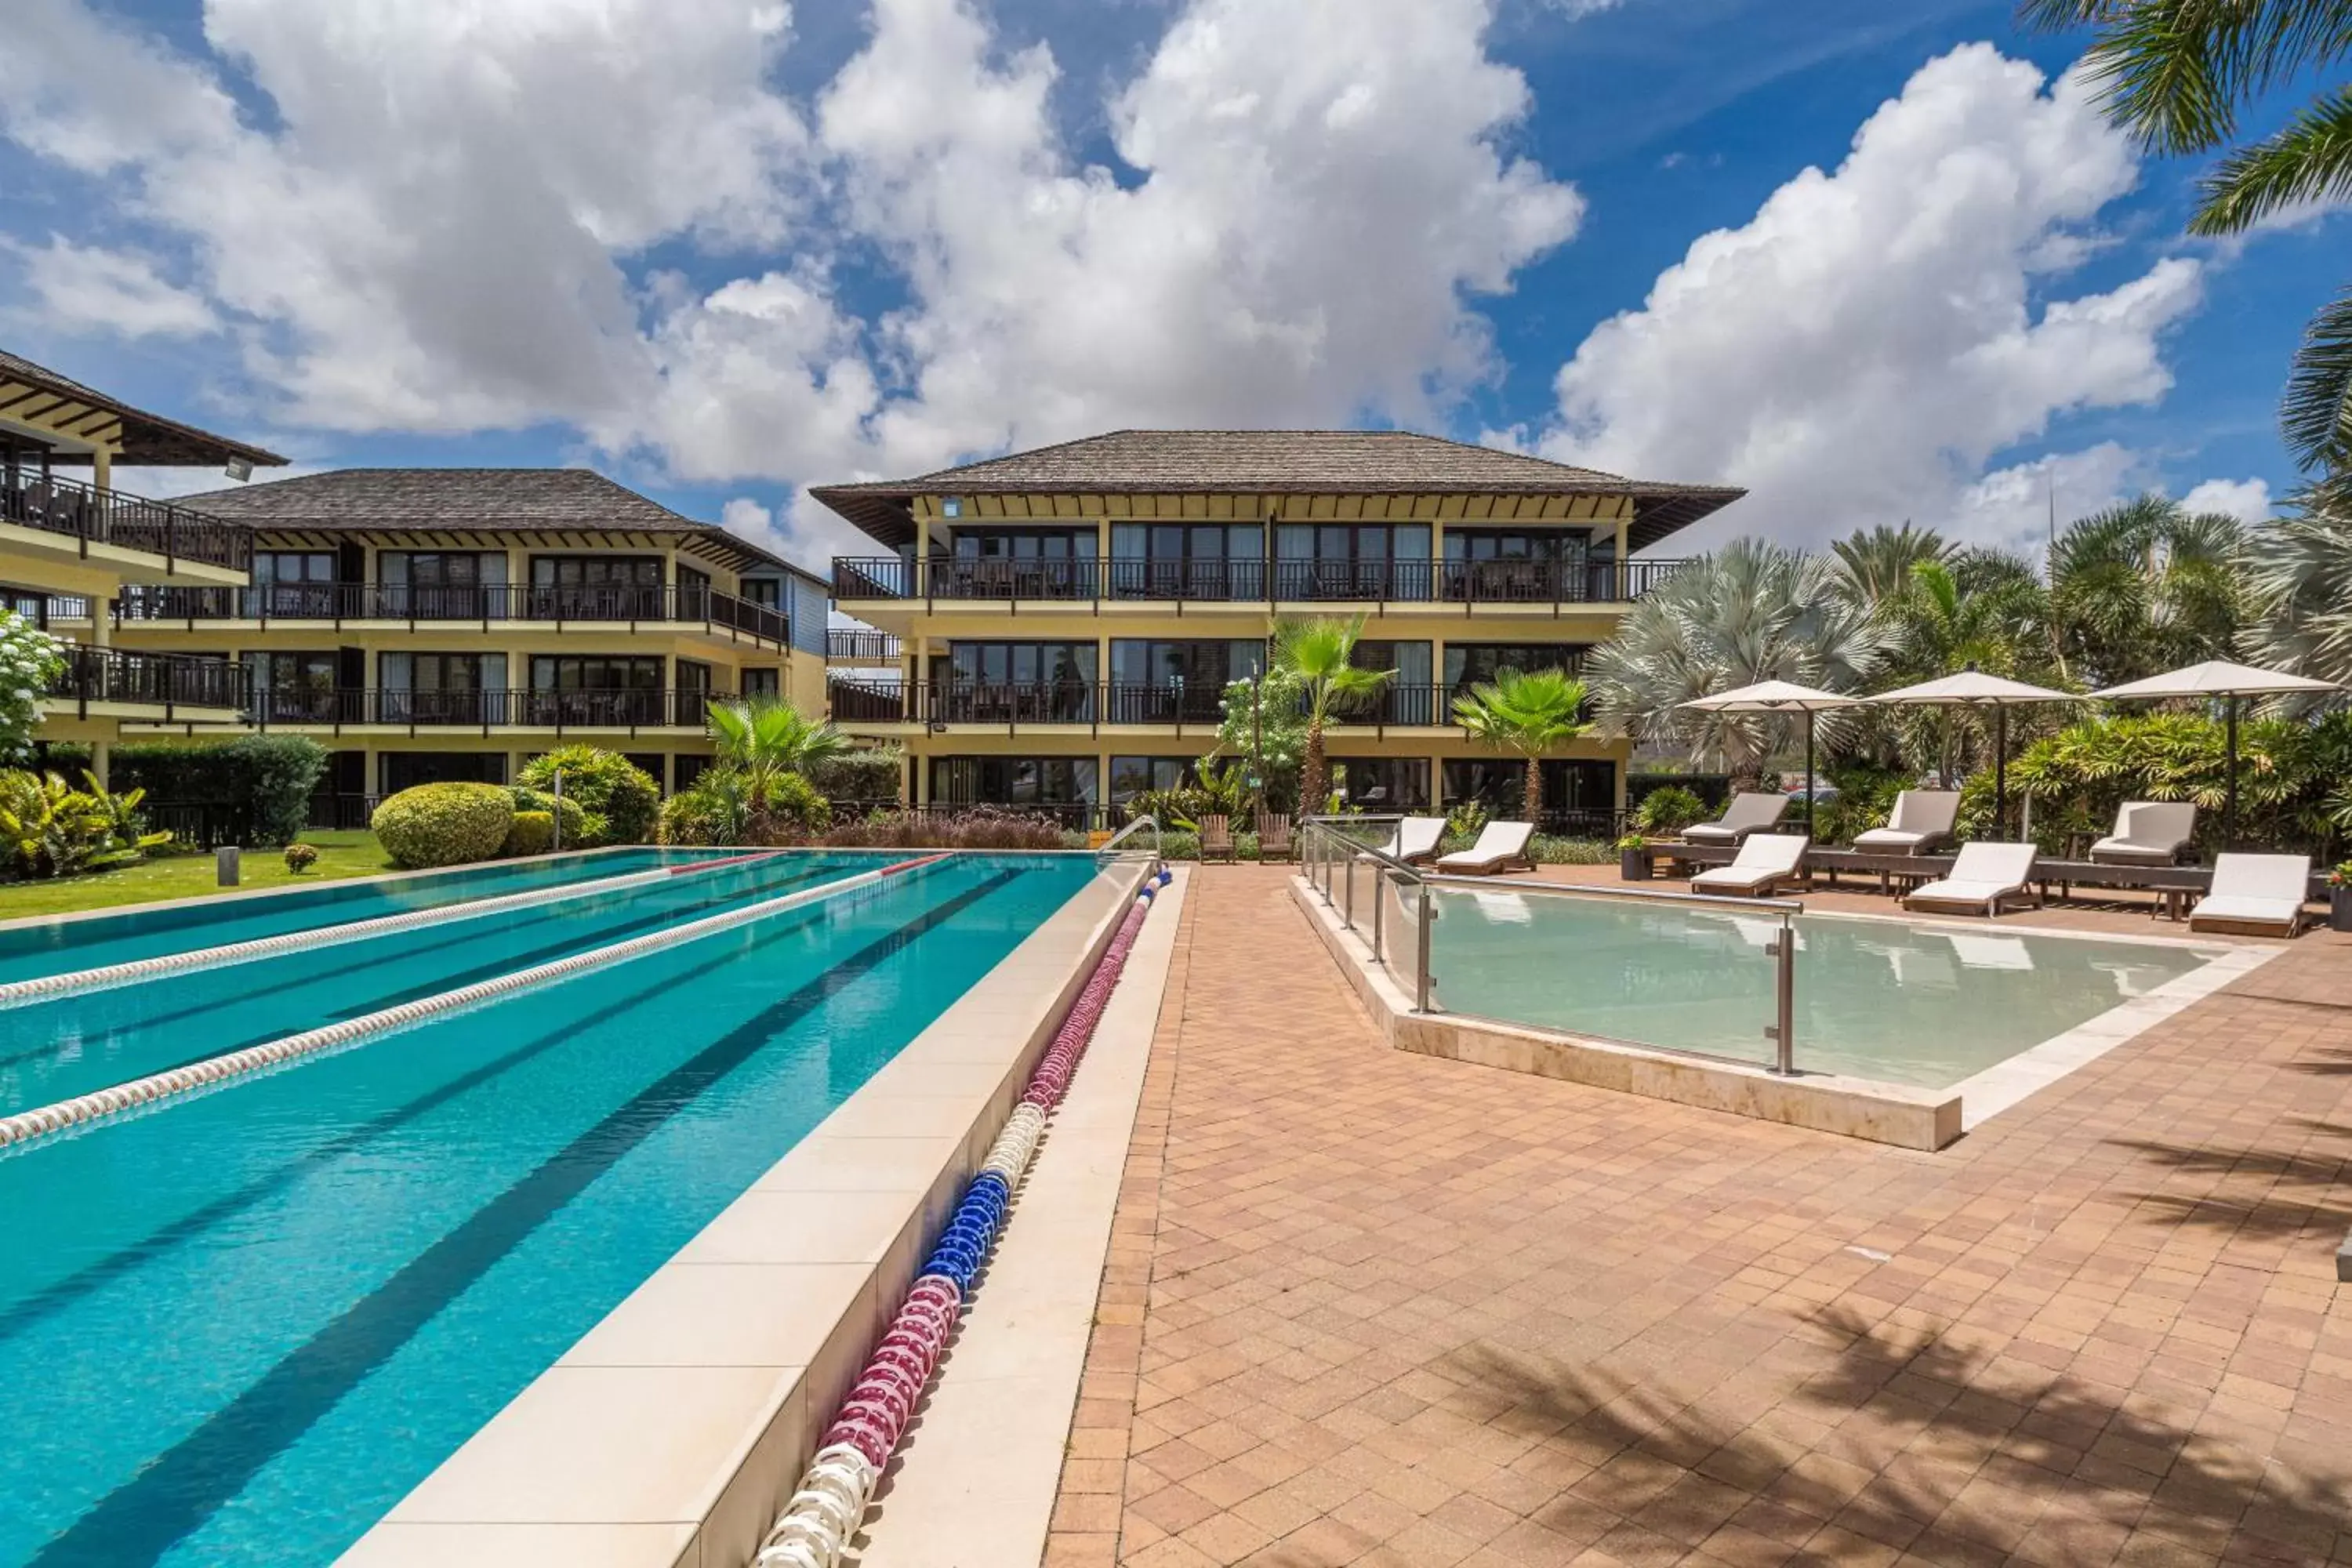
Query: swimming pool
[239, 1326]
[33, 947]
[1920, 1004]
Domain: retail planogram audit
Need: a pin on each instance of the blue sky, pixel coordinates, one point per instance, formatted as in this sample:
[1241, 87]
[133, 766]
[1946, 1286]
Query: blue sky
[724, 250]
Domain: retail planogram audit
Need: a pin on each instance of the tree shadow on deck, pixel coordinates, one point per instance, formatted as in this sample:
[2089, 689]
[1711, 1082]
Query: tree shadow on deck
[2259, 1192]
[1928, 1443]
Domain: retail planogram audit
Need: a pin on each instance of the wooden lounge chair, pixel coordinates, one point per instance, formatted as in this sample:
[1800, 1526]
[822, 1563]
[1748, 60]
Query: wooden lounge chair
[1272, 836]
[2148, 832]
[1762, 864]
[1501, 846]
[1983, 877]
[2254, 895]
[1921, 824]
[1416, 839]
[1216, 838]
[1750, 813]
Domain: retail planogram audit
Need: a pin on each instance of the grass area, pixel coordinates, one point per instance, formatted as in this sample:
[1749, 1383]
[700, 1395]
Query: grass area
[341, 855]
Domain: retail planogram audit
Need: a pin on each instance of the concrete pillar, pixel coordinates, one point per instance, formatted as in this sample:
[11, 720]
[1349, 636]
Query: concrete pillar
[1624, 519]
[101, 468]
[100, 759]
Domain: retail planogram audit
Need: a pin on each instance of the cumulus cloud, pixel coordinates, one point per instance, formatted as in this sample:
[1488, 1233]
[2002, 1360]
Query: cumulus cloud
[1870, 343]
[2248, 501]
[90, 290]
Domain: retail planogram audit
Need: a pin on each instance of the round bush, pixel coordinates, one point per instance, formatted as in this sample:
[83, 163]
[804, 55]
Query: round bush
[300, 857]
[581, 828]
[444, 824]
[532, 833]
[607, 785]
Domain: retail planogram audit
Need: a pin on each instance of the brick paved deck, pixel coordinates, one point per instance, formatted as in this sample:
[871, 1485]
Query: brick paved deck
[1369, 1307]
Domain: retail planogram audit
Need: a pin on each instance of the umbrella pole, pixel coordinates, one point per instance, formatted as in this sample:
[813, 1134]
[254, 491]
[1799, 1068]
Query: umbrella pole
[2229, 805]
[2000, 769]
[1811, 804]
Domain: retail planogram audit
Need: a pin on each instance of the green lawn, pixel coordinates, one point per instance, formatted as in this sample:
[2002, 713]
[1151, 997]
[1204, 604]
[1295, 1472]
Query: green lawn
[352, 854]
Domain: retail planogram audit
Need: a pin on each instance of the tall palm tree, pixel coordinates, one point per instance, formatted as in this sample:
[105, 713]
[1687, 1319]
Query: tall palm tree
[1874, 563]
[2142, 587]
[1983, 610]
[2176, 74]
[1750, 612]
[759, 740]
[1317, 652]
[1529, 714]
[2299, 570]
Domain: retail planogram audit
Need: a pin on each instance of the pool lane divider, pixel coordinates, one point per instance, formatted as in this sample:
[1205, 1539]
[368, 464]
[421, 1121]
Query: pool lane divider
[49, 987]
[42, 1120]
[825, 1509]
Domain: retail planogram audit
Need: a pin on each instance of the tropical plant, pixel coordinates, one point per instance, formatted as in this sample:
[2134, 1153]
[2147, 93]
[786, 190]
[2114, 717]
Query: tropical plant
[1264, 723]
[300, 857]
[762, 740]
[1979, 610]
[2299, 570]
[1529, 714]
[1750, 612]
[581, 826]
[2289, 775]
[48, 828]
[975, 827]
[451, 824]
[607, 785]
[1668, 809]
[1874, 564]
[721, 807]
[30, 661]
[2178, 74]
[2143, 587]
[1465, 821]
[860, 772]
[1317, 654]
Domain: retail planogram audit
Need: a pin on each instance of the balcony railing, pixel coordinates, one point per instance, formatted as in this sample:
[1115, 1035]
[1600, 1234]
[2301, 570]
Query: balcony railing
[875, 646]
[169, 681]
[339, 601]
[489, 710]
[1092, 703]
[93, 516]
[1087, 579]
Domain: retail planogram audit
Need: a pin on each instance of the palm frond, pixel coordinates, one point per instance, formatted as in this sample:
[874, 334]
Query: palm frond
[2175, 73]
[2309, 161]
[2316, 416]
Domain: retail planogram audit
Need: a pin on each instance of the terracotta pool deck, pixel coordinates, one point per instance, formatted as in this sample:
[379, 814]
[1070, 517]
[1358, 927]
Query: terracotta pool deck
[1365, 1305]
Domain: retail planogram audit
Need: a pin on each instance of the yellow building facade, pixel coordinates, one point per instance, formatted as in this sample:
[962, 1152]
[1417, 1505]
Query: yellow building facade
[1065, 621]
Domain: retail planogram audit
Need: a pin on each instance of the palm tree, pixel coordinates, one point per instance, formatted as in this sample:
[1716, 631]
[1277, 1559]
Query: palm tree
[1981, 610]
[1750, 612]
[1529, 714]
[1316, 654]
[1874, 564]
[2299, 570]
[2145, 586]
[759, 740]
[2176, 74]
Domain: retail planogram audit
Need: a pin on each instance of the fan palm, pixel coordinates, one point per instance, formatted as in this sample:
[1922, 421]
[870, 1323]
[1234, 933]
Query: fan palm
[1318, 655]
[2299, 570]
[2142, 587]
[2176, 74]
[1529, 714]
[760, 740]
[1750, 612]
[1874, 563]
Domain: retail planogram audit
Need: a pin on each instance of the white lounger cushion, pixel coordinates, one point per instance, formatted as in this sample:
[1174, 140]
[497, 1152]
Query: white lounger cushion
[2149, 830]
[1415, 837]
[1762, 860]
[2264, 889]
[1982, 873]
[1748, 813]
[1920, 816]
[1499, 841]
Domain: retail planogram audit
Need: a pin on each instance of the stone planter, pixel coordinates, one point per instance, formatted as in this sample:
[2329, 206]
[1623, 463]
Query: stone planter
[2340, 909]
[1634, 865]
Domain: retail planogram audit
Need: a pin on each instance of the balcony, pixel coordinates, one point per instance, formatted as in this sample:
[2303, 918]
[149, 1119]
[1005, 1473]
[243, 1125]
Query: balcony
[558, 711]
[1015, 705]
[335, 603]
[103, 677]
[1089, 580]
[88, 515]
[861, 647]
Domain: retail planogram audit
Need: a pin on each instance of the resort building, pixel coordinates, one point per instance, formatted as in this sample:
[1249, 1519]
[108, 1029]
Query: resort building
[1064, 622]
[432, 624]
[70, 542]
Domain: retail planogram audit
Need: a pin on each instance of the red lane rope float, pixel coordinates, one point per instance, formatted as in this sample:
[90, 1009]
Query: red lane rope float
[825, 1511]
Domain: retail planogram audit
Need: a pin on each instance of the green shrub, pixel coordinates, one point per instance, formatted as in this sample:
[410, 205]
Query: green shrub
[270, 778]
[582, 827]
[1669, 810]
[721, 808]
[300, 857]
[865, 773]
[1170, 807]
[444, 824]
[1549, 850]
[530, 833]
[607, 785]
[48, 828]
[972, 827]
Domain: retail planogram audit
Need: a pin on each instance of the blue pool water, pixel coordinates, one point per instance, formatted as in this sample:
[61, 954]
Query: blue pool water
[239, 1327]
[72, 1045]
[48, 947]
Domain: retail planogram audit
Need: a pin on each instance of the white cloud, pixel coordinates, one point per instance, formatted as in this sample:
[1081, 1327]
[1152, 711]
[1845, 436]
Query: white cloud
[94, 291]
[1864, 348]
[2248, 501]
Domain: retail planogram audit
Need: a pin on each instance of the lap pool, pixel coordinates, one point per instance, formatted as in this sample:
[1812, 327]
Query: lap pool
[238, 1326]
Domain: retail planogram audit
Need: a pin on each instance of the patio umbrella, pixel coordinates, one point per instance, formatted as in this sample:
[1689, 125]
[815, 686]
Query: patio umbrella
[1778, 697]
[2217, 678]
[1974, 688]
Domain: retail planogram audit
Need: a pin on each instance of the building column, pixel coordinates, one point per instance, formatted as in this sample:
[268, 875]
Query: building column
[920, 767]
[100, 761]
[1624, 582]
[1437, 783]
[101, 468]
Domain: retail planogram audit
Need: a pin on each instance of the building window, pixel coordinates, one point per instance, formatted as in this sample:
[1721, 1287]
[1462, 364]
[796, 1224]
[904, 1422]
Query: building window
[1157, 682]
[1583, 789]
[295, 687]
[1010, 682]
[761, 591]
[405, 769]
[596, 587]
[1381, 785]
[762, 683]
[291, 584]
[1515, 563]
[1188, 561]
[1468, 663]
[441, 585]
[1012, 781]
[442, 687]
[1131, 776]
[1017, 563]
[1352, 561]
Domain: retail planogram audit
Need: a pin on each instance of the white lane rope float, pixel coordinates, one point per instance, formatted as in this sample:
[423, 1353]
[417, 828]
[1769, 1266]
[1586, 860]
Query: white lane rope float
[80, 982]
[45, 1120]
[825, 1509]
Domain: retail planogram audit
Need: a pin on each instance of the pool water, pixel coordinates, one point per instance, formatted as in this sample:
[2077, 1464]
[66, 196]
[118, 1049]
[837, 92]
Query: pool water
[238, 1327]
[51, 946]
[1926, 1006]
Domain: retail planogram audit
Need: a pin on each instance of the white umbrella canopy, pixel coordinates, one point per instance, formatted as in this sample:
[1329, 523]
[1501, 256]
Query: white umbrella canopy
[1779, 697]
[2217, 678]
[1973, 688]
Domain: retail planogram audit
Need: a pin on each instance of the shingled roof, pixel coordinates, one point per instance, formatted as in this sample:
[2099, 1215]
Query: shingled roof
[148, 440]
[466, 500]
[1272, 463]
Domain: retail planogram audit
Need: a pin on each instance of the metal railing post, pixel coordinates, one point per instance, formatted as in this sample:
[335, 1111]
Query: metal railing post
[1784, 1030]
[1421, 956]
[1348, 899]
[1379, 901]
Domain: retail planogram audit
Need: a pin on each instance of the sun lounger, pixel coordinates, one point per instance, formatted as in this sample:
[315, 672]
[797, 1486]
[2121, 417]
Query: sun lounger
[1921, 824]
[1416, 839]
[1983, 878]
[2148, 832]
[1500, 847]
[1216, 838]
[2254, 895]
[1748, 813]
[1763, 863]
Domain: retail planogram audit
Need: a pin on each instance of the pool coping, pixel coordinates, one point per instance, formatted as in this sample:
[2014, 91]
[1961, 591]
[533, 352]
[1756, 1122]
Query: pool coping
[669, 1435]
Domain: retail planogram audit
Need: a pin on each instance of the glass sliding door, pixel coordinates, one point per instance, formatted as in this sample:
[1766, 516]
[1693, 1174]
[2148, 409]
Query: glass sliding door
[295, 688]
[596, 588]
[1352, 561]
[1207, 560]
[595, 689]
[442, 689]
[441, 584]
[1015, 682]
[294, 584]
[1161, 682]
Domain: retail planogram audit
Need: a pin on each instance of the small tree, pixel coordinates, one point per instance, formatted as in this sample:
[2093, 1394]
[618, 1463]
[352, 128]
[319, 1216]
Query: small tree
[762, 740]
[1317, 654]
[1526, 714]
[30, 660]
[1265, 724]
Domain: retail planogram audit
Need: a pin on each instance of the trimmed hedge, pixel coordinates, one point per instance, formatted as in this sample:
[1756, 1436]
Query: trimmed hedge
[607, 785]
[869, 773]
[269, 777]
[581, 829]
[445, 824]
[531, 833]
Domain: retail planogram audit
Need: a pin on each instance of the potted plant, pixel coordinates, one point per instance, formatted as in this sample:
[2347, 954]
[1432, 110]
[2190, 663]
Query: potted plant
[2339, 898]
[1634, 858]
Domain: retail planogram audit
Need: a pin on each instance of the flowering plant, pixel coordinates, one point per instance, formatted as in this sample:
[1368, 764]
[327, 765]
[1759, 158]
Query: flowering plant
[30, 660]
[2342, 875]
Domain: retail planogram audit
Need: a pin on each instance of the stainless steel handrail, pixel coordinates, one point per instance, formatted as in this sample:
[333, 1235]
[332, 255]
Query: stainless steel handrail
[1584, 890]
[1141, 822]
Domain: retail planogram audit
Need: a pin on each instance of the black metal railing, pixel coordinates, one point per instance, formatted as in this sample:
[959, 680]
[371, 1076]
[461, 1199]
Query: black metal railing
[860, 645]
[630, 709]
[339, 601]
[1086, 578]
[342, 813]
[93, 516]
[1064, 702]
[169, 681]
